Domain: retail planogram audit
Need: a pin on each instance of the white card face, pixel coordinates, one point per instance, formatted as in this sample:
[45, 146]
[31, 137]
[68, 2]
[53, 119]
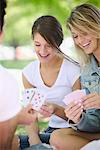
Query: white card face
[38, 100]
[35, 97]
[27, 95]
[74, 96]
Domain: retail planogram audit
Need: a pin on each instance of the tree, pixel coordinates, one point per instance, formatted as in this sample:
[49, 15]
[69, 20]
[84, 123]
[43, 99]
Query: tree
[22, 13]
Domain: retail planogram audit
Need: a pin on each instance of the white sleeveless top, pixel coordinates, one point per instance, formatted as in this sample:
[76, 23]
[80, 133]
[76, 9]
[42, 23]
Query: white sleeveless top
[67, 76]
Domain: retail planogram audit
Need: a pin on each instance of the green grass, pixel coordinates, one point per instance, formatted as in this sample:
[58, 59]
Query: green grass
[21, 128]
[16, 64]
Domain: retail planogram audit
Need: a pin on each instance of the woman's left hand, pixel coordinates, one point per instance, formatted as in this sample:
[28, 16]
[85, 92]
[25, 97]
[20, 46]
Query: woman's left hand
[91, 101]
[47, 109]
[73, 111]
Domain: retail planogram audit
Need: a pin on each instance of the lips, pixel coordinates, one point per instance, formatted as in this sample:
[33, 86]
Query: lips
[87, 44]
[43, 56]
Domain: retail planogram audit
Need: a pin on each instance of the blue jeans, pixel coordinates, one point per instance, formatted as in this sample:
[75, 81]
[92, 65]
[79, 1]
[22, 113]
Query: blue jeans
[40, 146]
[44, 137]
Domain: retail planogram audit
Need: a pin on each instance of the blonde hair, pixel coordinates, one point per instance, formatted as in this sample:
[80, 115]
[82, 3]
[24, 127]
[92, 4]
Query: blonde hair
[85, 18]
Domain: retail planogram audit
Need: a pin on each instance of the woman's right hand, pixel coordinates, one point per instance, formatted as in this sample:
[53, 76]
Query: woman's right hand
[27, 115]
[91, 101]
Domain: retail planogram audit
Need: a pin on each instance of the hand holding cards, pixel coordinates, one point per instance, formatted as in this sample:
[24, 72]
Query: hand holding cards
[74, 96]
[35, 97]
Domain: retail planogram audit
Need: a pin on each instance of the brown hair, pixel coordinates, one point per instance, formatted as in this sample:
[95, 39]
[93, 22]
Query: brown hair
[2, 13]
[50, 29]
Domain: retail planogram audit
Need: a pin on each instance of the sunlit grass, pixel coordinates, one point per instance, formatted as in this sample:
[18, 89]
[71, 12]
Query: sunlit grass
[21, 129]
[16, 64]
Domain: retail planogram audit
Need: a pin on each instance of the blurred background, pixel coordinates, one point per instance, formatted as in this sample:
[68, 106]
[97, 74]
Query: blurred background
[18, 22]
[17, 49]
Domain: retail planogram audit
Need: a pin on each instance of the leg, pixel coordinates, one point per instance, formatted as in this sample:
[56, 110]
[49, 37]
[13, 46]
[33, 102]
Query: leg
[89, 136]
[33, 133]
[64, 139]
[32, 137]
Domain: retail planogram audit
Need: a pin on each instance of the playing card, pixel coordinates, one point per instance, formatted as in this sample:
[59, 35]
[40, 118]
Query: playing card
[27, 95]
[74, 96]
[38, 99]
[34, 96]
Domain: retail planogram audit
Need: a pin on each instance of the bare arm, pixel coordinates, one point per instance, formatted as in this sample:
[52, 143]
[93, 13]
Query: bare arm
[77, 85]
[59, 111]
[26, 82]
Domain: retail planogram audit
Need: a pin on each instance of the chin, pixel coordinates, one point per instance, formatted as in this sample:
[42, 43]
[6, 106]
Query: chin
[43, 60]
[88, 51]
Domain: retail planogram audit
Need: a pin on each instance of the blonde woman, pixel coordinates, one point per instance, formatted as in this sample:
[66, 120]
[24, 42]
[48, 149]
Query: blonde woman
[84, 24]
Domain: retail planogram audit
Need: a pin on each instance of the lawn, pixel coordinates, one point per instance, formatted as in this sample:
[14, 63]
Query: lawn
[16, 64]
[21, 129]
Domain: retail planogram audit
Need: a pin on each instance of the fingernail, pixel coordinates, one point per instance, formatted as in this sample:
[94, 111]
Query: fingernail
[75, 102]
[79, 104]
[82, 106]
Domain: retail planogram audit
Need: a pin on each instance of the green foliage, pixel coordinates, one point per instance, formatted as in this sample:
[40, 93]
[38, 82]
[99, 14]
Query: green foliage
[22, 13]
[94, 2]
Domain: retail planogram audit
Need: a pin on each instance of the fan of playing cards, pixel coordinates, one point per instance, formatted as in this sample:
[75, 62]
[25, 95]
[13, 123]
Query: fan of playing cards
[34, 96]
[74, 96]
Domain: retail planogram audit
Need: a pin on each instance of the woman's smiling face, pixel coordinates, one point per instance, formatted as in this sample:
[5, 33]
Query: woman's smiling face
[44, 50]
[85, 41]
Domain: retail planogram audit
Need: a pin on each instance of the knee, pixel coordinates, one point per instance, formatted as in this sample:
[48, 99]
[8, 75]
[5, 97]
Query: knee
[56, 138]
[58, 134]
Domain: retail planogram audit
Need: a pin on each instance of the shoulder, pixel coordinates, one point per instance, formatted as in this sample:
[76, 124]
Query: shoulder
[86, 70]
[30, 71]
[71, 72]
[70, 65]
[31, 65]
